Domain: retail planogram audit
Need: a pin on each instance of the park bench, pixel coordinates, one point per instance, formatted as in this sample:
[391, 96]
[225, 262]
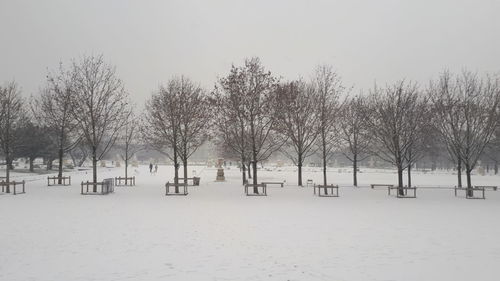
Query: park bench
[195, 180]
[107, 187]
[325, 189]
[125, 180]
[373, 186]
[309, 182]
[465, 189]
[405, 191]
[273, 182]
[260, 186]
[492, 187]
[184, 186]
[62, 179]
[14, 185]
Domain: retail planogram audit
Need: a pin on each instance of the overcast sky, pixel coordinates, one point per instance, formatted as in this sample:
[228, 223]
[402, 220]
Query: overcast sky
[150, 41]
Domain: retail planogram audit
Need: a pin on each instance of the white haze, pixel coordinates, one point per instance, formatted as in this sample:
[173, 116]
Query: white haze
[150, 41]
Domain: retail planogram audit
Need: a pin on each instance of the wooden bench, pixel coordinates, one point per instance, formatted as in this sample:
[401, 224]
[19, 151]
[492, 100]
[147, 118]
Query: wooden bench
[195, 180]
[107, 187]
[62, 179]
[380, 185]
[14, 185]
[481, 189]
[492, 187]
[126, 181]
[273, 182]
[262, 186]
[325, 189]
[309, 182]
[405, 191]
[168, 185]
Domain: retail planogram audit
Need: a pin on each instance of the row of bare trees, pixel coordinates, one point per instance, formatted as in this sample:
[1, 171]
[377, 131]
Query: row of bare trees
[84, 104]
[400, 123]
[252, 114]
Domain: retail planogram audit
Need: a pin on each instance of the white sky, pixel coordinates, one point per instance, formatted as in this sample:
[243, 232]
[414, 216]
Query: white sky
[150, 41]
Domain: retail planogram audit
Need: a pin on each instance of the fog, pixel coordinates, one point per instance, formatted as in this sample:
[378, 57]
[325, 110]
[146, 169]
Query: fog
[150, 41]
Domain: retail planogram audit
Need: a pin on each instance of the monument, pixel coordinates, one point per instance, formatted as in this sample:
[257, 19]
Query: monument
[220, 170]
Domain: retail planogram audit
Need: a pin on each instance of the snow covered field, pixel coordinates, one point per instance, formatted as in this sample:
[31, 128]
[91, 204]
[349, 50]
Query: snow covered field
[217, 233]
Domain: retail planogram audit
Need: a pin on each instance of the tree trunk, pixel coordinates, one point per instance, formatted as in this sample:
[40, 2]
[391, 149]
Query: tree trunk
[73, 158]
[468, 171]
[459, 172]
[496, 167]
[400, 180]
[355, 169]
[60, 173]
[324, 159]
[94, 168]
[254, 156]
[243, 170]
[176, 175]
[50, 163]
[7, 171]
[126, 170]
[299, 166]
[82, 161]
[409, 175]
[32, 168]
[185, 164]
[254, 167]
[249, 170]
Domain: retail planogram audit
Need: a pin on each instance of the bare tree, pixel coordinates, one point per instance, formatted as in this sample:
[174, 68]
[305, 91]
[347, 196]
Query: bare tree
[53, 111]
[12, 117]
[328, 85]
[420, 120]
[162, 122]
[231, 125]
[255, 112]
[395, 115]
[99, 106]
[298, 121]
[467, 116]
[195, 116]
[130, 142]
[354, 135]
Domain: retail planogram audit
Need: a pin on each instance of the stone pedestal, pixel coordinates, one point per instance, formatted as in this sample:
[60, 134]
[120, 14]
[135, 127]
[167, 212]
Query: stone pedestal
[220, 175]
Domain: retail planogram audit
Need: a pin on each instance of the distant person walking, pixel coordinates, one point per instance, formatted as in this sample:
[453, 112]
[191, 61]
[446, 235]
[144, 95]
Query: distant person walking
[151, 168]
[156, 168]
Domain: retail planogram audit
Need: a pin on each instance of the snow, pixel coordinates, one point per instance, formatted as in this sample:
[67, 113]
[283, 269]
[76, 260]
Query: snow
[217, 233]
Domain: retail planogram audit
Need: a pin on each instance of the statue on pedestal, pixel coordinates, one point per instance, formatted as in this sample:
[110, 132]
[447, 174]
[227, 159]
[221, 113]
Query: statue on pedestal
[220, 170]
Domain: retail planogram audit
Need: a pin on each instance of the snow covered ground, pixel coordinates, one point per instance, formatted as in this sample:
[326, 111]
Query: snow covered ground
[217, 233]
